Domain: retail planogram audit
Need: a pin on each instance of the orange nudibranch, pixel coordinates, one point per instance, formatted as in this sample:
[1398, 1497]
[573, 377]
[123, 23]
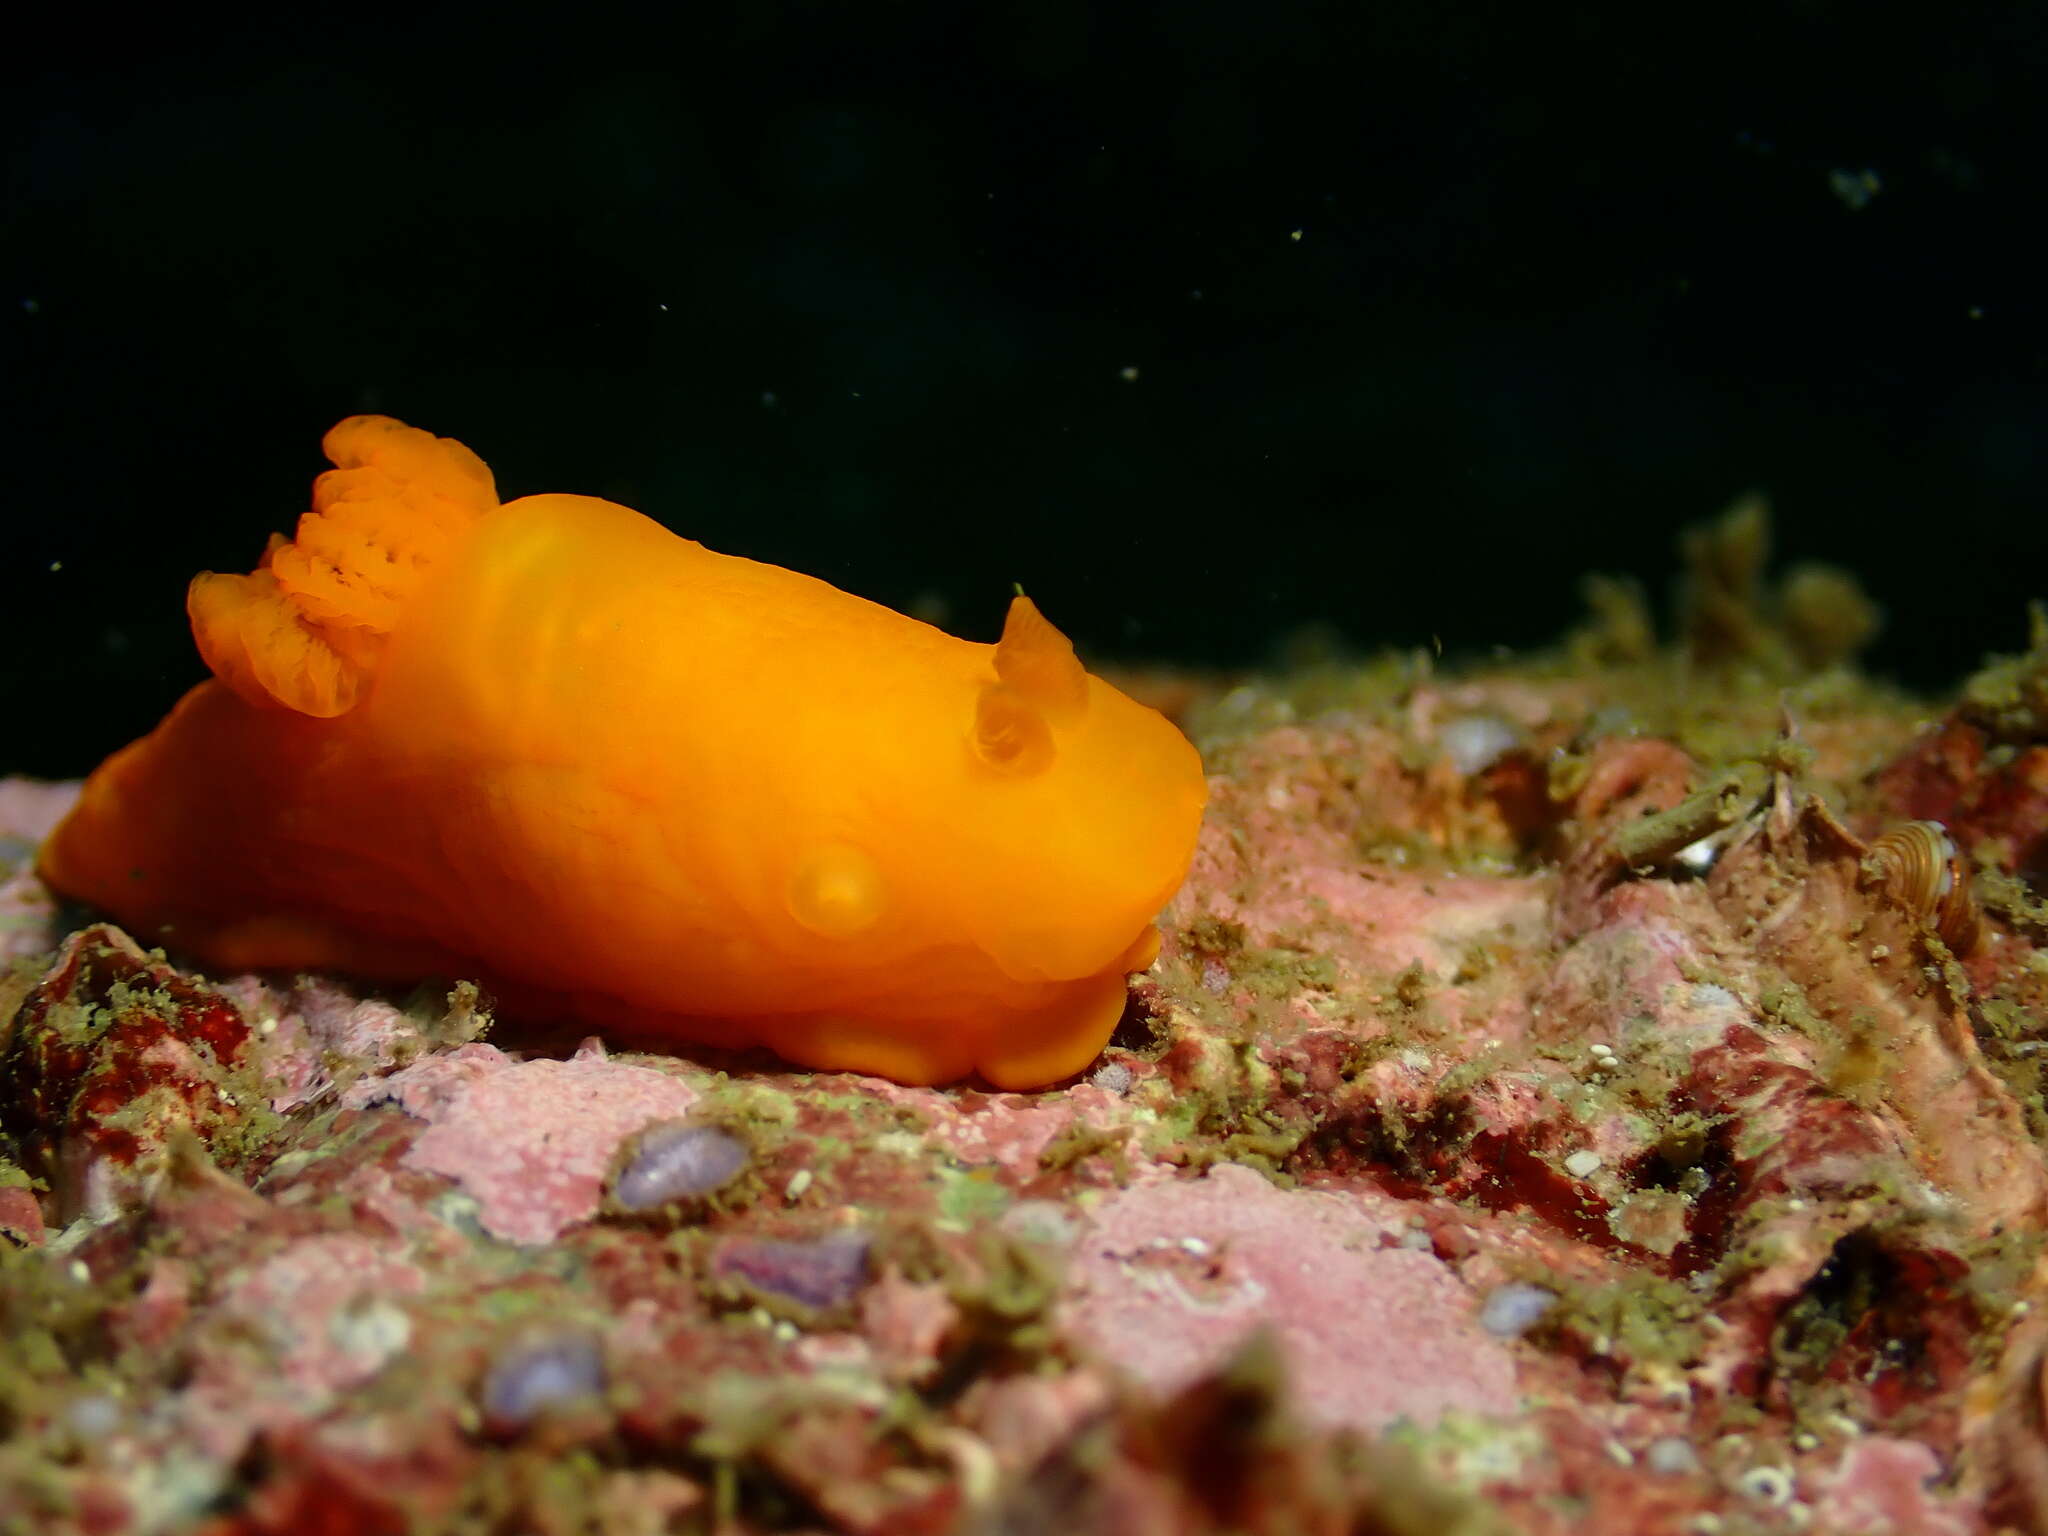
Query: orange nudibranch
[680, 795]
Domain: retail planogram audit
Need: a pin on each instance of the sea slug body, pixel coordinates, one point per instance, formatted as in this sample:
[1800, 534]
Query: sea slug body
[678, 795]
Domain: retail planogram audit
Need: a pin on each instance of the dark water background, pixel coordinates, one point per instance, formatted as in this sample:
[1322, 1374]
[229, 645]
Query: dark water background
[1202, 321]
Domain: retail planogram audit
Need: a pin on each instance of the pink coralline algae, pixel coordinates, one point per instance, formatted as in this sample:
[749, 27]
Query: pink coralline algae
[529, 1141]
[334, 1275]
[28, 912]
[1886, 1487]
[312, 1025]
[1572, 1097]
[1170, 1277]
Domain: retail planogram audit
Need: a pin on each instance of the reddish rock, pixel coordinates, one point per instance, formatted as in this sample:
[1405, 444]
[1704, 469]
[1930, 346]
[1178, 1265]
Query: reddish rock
[1535, 1058]
[21, 1218]
[110, 1054]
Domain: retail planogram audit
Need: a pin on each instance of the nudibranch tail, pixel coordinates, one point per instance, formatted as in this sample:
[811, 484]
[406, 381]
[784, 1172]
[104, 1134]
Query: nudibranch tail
[303, 630]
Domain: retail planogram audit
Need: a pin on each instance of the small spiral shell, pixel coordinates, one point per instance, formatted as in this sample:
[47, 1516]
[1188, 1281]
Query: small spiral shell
[1918, 867]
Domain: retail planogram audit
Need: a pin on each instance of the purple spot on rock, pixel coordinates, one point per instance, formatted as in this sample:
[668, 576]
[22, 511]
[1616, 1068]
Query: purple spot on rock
[539, 1374]
[821, 1272]
[1671, 1456]
[678, 1162]
[1512, 1310]
[1476, 742]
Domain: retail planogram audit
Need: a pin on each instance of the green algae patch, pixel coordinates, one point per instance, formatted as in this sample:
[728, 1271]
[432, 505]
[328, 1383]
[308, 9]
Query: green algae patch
[970, 1197]
[1644, 1321]
[2009, 698]
[1080, 1141]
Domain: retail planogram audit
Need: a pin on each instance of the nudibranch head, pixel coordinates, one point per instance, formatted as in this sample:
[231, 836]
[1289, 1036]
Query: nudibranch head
[1089, 803]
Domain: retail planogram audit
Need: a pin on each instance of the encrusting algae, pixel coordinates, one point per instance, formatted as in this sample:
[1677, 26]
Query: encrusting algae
[1599, 1090]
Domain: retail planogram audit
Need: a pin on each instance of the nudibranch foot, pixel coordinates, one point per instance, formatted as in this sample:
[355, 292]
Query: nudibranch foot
[1059, 1041]
[1008, 1048]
